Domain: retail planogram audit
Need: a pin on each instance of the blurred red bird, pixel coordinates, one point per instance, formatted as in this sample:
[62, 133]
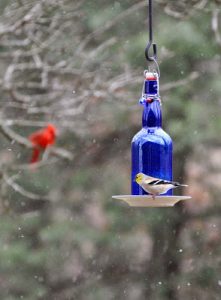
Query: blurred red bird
[42, 139]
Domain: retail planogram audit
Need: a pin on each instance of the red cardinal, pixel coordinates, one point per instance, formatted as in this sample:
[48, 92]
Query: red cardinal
[41, 140]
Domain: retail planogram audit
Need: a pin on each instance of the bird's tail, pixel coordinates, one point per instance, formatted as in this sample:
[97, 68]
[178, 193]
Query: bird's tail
[35, 155]
[177, 184]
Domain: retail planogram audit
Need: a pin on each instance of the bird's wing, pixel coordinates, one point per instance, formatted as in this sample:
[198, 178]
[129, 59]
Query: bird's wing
[157, 189]
[147, 181]
[158, 182]
[39, 138]
[165, 182]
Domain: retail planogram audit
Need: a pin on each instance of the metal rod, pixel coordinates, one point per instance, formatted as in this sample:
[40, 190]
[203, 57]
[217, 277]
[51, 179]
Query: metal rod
[150, 21]
[150, 43]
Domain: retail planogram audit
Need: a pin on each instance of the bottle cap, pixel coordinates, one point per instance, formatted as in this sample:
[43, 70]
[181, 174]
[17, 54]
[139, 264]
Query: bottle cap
[150, 88]
[150, 76]
[151, 84]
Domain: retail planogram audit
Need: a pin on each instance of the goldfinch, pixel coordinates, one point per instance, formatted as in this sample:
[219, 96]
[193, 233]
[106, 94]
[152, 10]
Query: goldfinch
[155, 186]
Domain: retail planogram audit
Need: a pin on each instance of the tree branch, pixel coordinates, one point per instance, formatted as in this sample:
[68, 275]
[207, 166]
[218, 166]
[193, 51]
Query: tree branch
[19, 189]
[215, 25]
[13, 136]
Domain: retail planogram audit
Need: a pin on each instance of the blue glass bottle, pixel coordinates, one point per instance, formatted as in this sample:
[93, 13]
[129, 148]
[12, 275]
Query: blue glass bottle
[151, 147]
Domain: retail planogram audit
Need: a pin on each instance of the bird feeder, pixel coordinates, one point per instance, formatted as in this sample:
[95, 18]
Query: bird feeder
[152, 147]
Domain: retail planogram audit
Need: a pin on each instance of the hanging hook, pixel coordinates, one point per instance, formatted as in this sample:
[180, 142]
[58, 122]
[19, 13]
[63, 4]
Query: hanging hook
[148, 57]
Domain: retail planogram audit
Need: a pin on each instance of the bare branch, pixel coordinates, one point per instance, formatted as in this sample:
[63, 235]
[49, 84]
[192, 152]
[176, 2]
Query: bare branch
[131, 78]
[110, 24]
[35, 10]
[19, 189]
[201, 5]
[13, 136]
[102, 47]
[60, 152]
[168, 86]
[29, 166]
[170, 12]
[215, 25]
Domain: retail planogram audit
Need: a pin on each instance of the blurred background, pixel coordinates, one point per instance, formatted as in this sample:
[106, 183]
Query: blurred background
[79, 65]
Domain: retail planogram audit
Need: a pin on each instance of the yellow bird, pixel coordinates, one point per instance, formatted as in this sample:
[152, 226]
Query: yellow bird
[155, 186]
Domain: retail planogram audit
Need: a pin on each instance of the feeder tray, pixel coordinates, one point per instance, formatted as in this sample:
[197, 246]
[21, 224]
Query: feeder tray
[148, 201]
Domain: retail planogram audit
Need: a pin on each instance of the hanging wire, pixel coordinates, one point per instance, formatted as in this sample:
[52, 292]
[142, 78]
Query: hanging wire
[157, 70]
[150, 43]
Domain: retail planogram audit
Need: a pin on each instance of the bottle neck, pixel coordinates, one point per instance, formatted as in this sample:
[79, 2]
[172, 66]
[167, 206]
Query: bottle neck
[152, 116]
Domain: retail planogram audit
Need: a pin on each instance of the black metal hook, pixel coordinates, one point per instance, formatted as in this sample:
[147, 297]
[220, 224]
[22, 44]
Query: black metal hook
[147, 50]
